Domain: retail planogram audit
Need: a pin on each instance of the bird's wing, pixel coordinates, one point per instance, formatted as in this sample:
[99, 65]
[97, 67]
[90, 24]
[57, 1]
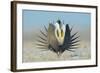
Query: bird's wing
[67, 37]
[52, 38]
[69, 40]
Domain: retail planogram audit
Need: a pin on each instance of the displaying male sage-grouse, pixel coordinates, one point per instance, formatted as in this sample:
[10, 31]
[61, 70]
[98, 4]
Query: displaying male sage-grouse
[58, 38]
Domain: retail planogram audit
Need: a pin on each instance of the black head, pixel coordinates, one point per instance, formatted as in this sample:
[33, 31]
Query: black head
[58, 21]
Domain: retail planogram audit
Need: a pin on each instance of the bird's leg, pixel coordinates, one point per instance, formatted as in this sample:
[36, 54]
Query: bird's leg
[58, 55]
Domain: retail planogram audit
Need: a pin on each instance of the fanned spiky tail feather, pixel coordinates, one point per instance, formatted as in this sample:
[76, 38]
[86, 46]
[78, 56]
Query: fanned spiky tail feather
[71, 42]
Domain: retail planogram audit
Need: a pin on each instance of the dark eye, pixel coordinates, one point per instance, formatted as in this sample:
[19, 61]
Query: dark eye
[62, 33]
[57, 33]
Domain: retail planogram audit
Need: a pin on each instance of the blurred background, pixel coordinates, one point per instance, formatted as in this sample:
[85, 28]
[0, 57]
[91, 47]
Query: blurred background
[34, 21]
